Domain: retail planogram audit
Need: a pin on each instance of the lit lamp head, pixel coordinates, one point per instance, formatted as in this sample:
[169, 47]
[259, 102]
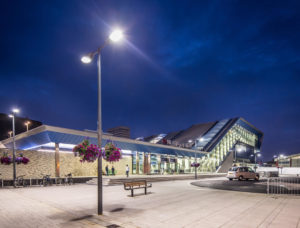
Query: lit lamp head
[258, 155]
[116, 35]
[88, 58]
[27, 123]
[201, 139]
[239, 149]
[15, 110]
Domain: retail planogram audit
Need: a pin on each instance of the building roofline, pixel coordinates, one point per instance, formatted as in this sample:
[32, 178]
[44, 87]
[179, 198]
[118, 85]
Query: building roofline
[44, 128]
[251, 125]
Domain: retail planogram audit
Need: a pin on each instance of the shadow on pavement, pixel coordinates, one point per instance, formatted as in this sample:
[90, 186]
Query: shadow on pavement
[235, 185]
[81, 218]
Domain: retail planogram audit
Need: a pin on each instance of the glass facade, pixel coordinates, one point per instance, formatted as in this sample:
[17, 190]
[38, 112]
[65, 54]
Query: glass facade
[154, 164]
[141, 163]
[134, 166]
[237, 136]
[235, 139]
[145, 163]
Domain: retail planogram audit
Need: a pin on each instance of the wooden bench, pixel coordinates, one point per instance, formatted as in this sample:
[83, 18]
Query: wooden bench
[137, 185]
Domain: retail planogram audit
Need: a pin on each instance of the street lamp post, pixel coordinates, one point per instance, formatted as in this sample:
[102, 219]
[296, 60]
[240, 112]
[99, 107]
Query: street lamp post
[278, 161]
[12, 115]
[255, 160]
[235, 153]
[277, 156]
[115, 36]
[190, 141]
[239, 149]
[195, 161]
[281, 156]
[27, 123]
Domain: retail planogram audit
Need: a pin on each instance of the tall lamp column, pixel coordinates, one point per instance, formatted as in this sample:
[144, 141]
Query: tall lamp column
[27, 123]
[115, 36]
[12, 115]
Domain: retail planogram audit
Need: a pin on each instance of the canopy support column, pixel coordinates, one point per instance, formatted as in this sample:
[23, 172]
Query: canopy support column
[57, 163]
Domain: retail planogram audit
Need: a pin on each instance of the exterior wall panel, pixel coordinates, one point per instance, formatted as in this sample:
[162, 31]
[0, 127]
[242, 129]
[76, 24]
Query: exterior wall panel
[44, 163]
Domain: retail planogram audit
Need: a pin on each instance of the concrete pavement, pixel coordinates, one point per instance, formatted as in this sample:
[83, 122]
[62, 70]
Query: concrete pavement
[169, 204]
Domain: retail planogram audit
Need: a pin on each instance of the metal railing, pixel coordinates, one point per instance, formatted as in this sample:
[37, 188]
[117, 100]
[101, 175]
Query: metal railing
[283, 185]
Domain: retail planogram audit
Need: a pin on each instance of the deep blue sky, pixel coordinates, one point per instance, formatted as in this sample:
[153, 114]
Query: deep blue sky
[184, 62]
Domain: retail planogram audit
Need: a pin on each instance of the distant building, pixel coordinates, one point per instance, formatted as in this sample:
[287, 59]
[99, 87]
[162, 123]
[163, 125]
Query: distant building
[292, 160]
[120, 131]
[6, 125]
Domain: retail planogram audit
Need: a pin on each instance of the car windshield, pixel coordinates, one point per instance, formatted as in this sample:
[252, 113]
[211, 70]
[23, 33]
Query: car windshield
[233, 169]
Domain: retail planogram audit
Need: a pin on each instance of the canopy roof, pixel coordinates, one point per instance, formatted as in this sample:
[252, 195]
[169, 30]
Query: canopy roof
[45, 134]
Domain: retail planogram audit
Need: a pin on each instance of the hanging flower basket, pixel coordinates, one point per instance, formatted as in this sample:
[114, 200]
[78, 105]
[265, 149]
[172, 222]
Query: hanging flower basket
[195, 164]
[111, 152]
[87, 152]
[5, 159]
[22, 160]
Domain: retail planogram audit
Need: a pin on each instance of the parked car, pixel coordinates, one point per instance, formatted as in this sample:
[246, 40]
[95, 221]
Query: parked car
[242, 173]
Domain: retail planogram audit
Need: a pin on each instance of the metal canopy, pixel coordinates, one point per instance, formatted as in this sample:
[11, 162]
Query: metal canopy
[49, 136]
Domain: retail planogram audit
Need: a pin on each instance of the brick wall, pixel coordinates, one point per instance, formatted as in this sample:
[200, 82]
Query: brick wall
[44, 163]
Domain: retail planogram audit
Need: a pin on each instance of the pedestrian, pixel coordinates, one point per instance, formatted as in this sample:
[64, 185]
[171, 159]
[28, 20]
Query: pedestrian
[113, 170]
[106, 170]
[127, 170]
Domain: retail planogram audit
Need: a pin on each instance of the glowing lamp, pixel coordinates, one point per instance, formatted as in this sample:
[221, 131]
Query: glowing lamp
[116, 35]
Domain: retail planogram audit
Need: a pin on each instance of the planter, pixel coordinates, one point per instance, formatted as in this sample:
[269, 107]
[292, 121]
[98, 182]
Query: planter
[87, 152]
[111, 153]
[22, 160]
[195, 164]
[5, 159]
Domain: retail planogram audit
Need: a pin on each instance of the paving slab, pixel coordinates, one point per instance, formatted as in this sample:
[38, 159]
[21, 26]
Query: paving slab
[169, 204]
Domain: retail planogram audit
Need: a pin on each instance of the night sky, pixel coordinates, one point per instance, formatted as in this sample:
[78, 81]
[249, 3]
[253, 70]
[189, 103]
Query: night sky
[183, 62]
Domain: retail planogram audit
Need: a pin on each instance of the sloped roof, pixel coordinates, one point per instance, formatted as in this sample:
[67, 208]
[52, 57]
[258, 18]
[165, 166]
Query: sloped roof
[149, 138]
[194, 132]
[208, 135]
[171, 135]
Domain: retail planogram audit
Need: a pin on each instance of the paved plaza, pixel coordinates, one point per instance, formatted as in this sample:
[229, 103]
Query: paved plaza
[168, 204]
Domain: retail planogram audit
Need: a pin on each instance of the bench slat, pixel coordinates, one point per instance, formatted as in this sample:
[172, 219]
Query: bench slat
[137, 185]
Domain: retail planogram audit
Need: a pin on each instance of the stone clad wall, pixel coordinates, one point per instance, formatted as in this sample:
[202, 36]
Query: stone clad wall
[44, 163]
[120, 167]
[71, 164]
[40, 163]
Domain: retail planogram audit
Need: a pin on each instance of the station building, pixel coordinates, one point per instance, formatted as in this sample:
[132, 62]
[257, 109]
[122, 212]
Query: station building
[215, 145]
[292, 160]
